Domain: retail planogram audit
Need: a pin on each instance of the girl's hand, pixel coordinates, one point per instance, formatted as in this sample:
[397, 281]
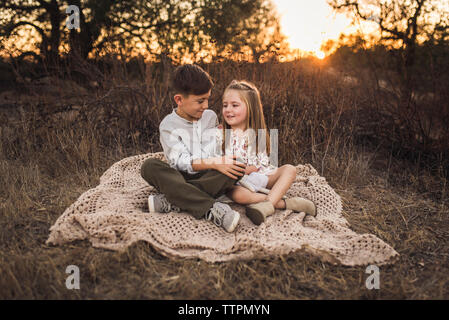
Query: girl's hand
[229, 166]
[251, 169]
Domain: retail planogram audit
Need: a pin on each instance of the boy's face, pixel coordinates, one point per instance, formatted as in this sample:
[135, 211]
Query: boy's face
[191, 107]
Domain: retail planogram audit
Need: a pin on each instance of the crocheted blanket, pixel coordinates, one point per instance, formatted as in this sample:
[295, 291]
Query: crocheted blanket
[114, 215]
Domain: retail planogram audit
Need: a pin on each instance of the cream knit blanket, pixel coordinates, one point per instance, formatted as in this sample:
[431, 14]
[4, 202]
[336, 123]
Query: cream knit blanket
[114, 215]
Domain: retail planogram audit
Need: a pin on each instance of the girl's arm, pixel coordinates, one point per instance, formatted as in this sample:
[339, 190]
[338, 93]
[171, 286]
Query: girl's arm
[263, 161]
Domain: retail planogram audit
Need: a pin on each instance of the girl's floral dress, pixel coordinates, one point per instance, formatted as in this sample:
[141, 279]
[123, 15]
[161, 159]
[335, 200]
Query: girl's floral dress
[239, 146]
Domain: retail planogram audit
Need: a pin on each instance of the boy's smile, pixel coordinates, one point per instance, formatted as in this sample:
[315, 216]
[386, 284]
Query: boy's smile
[191, 107]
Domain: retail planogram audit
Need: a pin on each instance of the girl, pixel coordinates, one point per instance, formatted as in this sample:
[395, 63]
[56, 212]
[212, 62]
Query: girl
[242, 110]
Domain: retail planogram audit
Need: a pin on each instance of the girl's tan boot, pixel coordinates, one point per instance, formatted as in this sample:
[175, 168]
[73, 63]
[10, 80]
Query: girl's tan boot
[301, 205]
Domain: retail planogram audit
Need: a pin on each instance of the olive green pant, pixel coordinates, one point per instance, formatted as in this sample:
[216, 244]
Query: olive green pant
[194, 194]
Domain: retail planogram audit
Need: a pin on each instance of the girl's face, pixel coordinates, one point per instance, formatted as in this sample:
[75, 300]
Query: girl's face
[234, 110]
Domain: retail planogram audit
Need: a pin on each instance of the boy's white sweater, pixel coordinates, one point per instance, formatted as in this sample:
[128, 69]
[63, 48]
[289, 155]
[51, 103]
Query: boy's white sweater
[184, 141]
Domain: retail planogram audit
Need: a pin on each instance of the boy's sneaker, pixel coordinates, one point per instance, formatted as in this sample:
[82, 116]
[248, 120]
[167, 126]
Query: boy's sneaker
[258, 212]
[223, 216]
[158, 203]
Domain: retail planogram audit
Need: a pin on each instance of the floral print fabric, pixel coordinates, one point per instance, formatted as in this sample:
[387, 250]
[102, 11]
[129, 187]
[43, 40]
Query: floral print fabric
[239, 145]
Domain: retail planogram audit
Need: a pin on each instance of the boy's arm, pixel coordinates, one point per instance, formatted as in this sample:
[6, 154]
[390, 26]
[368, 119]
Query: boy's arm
[216, 161]
[176, 152]
[179, 156]
[251, 169]
[229, 166]
[213, 136]
[205, 164]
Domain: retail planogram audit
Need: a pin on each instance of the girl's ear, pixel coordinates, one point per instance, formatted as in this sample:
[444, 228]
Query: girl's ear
[178, 99]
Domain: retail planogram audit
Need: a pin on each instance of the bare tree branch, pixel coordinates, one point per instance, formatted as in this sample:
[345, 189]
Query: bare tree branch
[12, 27]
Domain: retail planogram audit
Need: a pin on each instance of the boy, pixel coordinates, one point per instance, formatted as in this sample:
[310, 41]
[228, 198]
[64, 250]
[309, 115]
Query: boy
[192, 180]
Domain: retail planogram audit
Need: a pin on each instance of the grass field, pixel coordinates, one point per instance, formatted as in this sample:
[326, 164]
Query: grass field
[59, 136]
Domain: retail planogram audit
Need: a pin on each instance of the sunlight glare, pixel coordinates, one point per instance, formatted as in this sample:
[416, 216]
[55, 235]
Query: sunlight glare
[320, 55]
[308, 24]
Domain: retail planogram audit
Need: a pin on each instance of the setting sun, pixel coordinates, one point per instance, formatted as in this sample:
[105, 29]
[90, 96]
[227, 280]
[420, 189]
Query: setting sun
[307, 24]
[320, 54]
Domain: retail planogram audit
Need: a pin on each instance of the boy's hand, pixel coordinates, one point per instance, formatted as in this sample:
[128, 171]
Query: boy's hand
[229, 166]
[251, 169]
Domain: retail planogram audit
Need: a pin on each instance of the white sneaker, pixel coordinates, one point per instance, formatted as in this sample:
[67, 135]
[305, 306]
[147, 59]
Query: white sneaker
[223, 216]
[158, 203]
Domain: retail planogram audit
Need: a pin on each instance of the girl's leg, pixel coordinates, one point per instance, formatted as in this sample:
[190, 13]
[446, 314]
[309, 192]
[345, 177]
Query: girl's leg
[279, 182]
[241, 195]
[244, 196]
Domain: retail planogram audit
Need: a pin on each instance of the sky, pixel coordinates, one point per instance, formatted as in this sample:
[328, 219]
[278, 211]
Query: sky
[308, 23]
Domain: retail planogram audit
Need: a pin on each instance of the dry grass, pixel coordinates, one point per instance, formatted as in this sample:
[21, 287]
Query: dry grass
[49, 158]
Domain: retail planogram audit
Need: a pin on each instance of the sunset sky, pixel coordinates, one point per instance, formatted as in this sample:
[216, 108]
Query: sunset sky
[308, 23]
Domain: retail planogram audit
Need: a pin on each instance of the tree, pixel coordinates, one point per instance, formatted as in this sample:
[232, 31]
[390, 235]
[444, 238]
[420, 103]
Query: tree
[416, 34]
[402, 23]
[257, 32]
[82, 41]
[169, 28]
[47, 17]
[16, 14]
[263, 34]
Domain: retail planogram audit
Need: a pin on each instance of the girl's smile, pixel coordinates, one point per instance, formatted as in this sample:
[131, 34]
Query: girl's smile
[234, 110]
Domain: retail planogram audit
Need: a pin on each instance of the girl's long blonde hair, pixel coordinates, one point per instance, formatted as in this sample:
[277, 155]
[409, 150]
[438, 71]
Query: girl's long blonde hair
[255, 119]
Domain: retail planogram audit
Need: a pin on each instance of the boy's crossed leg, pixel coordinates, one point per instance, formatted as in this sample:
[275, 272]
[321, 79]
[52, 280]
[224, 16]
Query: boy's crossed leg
[196, 194]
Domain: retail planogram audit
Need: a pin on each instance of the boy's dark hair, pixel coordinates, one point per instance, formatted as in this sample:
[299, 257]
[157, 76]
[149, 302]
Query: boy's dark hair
[191, 79]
